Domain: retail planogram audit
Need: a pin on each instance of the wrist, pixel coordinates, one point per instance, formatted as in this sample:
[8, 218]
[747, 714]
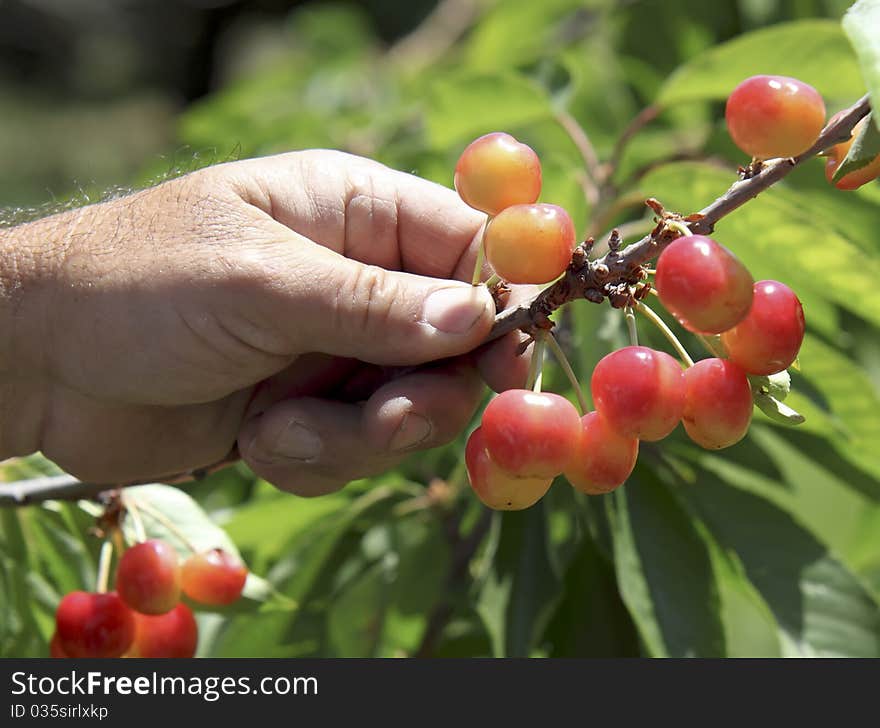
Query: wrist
[22, 336]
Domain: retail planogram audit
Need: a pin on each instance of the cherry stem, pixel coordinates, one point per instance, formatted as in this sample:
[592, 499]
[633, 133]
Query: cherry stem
[165, 521]
[558, 352]
[104, 567]
[536, 366]
[631, 326]
[481, 255]
[712, 345]
[494, 279]
[667, 332]
[140, 533]
[680, 226]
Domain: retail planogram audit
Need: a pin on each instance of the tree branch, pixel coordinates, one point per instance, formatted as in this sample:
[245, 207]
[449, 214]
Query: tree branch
[608, 276]
[66, 487]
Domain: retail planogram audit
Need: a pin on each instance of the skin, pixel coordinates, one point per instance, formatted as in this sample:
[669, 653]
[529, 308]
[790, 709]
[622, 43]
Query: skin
[304, 307]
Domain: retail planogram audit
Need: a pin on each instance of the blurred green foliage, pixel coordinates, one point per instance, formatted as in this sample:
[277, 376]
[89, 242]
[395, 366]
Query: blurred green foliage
[770, 548]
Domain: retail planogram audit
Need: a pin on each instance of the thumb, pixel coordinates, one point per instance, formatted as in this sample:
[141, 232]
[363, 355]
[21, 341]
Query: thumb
[345, 308]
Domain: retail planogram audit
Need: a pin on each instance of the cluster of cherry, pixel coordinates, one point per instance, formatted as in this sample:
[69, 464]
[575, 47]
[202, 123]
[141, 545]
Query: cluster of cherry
[528, 437]
[144, 617]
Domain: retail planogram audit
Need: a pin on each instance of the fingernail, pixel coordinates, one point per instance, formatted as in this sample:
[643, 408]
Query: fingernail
[455, 310]
[413, 430]
[297, 442]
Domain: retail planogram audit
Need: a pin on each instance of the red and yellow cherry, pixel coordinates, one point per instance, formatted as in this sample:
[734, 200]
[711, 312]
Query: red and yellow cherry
[768, 339]
[703, 284]
[496, 488]
[857, 177]
[173, 634]
[496, 171]
[213, 577]
[530, 243]
[717, 403]
[531, 434]
[639, 392]
[55, 648]
[604, 458]
[148, 577]
[774, 116]
[94, 625]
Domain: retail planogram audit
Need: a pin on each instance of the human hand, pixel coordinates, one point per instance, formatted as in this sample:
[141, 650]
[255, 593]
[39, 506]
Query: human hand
[259, 301]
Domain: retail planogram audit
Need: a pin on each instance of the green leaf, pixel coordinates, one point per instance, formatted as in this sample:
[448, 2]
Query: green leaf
[814, 51]
[520, 587]
[864, 150]
[466, 105]
[861, 23]
[768, 393]
[820, 607]
[664, 571]
[591, 620]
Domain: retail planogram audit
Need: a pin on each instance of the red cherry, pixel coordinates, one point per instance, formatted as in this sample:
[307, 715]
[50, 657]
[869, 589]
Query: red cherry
[496, 171]
[94, 625]
[604, 458]
[213, 577]
[148, 577]
[639, 392]
[55, 648]
[495, 487]
[531, 434]
[703, 284]
[774, 116]
[768, 339]
[858, 177]
[173, 634]
[717, 404]
[530, 243]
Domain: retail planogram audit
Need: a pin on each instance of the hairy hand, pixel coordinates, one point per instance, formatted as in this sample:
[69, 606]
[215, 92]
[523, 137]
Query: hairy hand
[307, 306]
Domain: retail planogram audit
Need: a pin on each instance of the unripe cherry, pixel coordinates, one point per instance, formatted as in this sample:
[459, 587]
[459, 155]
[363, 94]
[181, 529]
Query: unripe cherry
[774, 116]
[858, 177]
[496, 171]
[604, 458]
[703, 284]
[173, 634]
[148, 577]
[718, 403]
[531, 434]
[768, 339]
[213, 577]
[94, 625]
[496, 488]
[639, 392]
[530, 243]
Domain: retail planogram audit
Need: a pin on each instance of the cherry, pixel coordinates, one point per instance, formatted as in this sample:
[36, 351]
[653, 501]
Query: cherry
[604, 458]
[530, 243]
[768, 339]
[148, 578]
[496, 171]
[531, 434]
[496, 488]
[639, 391]
[173, 634]
[94, 625]
[774, 116]
[55, 648]
[858, 177]
[703, 284]
[717, 403]
[213, 577]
